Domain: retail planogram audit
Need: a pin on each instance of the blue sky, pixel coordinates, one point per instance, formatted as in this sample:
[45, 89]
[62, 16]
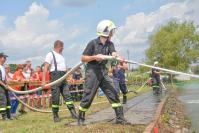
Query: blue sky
[29, 28]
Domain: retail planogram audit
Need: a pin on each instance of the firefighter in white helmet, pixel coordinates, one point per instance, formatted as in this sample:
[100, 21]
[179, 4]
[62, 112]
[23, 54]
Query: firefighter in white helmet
[155, 75]
[96, 74]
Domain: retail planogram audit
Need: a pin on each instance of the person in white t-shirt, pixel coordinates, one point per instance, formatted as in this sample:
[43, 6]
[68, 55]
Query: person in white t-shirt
[4, 97]
[9, 75]
[56, 62]
[27, 69]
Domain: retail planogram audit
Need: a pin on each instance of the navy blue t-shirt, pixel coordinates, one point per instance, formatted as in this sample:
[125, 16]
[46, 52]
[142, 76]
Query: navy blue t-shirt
[153, 72]
[119, 74]
[77, 76]
[95, 47]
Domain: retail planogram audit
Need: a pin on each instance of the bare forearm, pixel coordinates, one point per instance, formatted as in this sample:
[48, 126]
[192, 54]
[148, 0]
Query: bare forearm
[125, 67]
[114, 54]
[46, 66]
[157, 72]
[86, 58]
[1, 83]
[44, 76]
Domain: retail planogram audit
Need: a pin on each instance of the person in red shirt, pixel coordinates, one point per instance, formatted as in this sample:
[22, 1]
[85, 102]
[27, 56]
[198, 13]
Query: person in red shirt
[45, 91]
[18, 76]
[33, 78]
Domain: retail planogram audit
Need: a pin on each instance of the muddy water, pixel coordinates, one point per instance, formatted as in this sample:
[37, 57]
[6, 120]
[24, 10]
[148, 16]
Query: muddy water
[189, 94]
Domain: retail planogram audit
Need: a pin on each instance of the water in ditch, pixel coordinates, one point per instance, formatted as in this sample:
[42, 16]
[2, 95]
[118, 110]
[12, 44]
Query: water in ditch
[189, 95]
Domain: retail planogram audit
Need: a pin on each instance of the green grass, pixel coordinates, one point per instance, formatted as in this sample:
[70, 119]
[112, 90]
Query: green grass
[34, 122]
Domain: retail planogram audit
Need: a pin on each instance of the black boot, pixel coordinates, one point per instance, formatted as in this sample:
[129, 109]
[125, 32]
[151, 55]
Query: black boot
[81, 118]
[124, 99]
[73, 113]
[56, 117]
[120, 116]
[4, 117]
[9, 114]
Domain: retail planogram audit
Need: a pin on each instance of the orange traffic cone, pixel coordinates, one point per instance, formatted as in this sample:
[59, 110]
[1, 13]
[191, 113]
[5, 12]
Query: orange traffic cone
[155, 130]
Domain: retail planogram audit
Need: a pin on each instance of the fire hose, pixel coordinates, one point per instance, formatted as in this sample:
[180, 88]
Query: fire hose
[78, 65]
[142, 64]
[49, 84]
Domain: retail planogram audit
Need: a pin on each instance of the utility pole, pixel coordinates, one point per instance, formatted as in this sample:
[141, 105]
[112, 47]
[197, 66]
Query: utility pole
[128, 59]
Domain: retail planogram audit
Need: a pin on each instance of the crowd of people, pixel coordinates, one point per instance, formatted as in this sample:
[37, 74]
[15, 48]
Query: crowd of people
[39, 99]
[54, 67]
[42, 98]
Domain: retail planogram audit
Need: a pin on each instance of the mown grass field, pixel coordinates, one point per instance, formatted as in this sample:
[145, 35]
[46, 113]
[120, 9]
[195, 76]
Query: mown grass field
[34, 122]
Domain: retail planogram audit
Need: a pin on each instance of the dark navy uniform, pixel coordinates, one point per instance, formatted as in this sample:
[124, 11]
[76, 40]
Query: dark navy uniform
[4, 98]
[115, 78]
[119, 81]
[120, 74]
[96, 75]
[78, 95]
[155, 78]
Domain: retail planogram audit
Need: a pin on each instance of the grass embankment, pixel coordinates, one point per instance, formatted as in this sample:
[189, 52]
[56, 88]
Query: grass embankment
[174, 118]
[34, 122]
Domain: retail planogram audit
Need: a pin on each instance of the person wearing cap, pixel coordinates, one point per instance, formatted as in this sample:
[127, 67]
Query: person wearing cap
[96, 73]
[4, 96]
[155, 75]
[56, 63]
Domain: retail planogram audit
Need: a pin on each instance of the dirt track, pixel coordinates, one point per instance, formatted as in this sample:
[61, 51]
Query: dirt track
[139, 110]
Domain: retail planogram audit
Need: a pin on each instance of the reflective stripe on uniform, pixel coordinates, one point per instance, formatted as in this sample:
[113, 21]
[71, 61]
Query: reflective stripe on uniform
[82, 109]
[8, 107]
[2, 109]
[115, 105]
[155, 86]
[68, 103]
[55, 106]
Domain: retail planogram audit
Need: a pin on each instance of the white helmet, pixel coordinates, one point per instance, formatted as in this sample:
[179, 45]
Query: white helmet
[104, 27]
[155, 63]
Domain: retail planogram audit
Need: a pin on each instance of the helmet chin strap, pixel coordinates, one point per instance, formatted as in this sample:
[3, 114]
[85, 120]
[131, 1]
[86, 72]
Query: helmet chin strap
[103, 39]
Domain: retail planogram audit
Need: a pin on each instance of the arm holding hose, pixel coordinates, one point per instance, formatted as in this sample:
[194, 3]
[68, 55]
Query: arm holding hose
[3, 84]
[46, 67]
[88, 58]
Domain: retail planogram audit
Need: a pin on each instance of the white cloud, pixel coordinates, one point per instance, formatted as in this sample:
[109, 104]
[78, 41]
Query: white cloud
[139, 26]
[32, 29]
[34, 59]
[2, 19]
[74, 31]
[3, 27]
[74, 3]
[73, 53]
[34, 34]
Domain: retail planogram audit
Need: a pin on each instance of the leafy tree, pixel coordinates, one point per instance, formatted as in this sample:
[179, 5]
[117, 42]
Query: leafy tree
[13, 67]
[196, 69]
[175, 45]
